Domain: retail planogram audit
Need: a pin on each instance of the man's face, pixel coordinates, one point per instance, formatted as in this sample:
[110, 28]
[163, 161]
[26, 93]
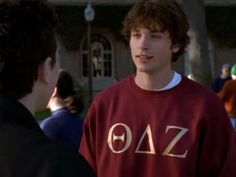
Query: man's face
[52, 75]
[151, 50]
[225, 72]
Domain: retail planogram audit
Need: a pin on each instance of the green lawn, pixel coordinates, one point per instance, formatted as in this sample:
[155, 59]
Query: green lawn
[42, 114]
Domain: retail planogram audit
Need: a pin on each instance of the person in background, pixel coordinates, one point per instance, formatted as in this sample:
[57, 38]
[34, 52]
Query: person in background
[66, 123]
[219, 81]
[157, 122]
[28, 75]
[228, 96]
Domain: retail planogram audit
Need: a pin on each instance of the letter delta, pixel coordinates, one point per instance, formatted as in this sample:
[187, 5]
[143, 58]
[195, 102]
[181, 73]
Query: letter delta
[126, 138]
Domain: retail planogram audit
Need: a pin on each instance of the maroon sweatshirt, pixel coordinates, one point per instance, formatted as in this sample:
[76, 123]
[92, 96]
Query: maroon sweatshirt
[180, 132]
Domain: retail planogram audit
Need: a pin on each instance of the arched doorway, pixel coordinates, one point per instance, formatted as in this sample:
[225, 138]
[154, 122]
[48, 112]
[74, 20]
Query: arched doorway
[102, 60]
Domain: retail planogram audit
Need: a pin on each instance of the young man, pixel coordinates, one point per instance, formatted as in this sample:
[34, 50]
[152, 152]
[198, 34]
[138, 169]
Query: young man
[158, 123]
[28, 74]
[228, 96]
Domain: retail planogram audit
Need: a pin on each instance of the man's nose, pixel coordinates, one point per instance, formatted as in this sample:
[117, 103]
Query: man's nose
[143, 42]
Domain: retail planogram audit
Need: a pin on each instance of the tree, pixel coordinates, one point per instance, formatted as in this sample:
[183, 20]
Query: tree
[197, 51]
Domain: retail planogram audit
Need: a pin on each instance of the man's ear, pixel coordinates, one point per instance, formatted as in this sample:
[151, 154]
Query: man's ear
[44, 71]
[175, 48]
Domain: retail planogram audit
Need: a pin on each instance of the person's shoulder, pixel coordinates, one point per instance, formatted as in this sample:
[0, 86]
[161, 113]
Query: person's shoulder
[115, 88]
[202, 97]
[64, 161]
[197, 89]
[231, 84]
[60, 160]
[56, 116]
[123, 83]
[231, 81]
[47, 158]
[47, 121]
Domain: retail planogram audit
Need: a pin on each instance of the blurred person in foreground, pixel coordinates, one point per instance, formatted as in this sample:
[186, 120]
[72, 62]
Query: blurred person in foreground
[66, 123]
[219, 81]
[228, 96]
[28, 75]
[157, 122]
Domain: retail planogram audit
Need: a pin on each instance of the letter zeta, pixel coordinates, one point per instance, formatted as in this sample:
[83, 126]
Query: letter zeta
[174, 141]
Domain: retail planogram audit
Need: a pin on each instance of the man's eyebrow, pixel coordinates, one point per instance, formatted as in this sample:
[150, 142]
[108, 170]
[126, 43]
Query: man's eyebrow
[156, 31]
[135, 30]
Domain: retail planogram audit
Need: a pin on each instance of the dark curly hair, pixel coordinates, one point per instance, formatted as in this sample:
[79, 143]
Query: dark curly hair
[159, 15]
[65, 90]
[65, 84]
[27, 38]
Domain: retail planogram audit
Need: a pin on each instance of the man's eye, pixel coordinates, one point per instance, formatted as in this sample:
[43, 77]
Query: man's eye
[156, 36]
[135, 34]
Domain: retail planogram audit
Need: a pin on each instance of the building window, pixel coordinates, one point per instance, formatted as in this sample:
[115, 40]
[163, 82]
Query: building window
[101, 57]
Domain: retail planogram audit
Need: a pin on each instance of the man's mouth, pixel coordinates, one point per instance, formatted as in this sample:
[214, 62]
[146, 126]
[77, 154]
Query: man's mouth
[144, 58]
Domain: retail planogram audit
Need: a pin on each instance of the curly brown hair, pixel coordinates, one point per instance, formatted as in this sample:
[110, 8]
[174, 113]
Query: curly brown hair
[159, 15]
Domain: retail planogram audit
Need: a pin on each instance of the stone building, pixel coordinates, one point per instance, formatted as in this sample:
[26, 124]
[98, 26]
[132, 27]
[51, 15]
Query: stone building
[110, 52]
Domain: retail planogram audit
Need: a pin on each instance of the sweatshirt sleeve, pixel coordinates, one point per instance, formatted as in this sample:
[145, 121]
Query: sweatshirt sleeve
[217, 151]
[87, 146]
